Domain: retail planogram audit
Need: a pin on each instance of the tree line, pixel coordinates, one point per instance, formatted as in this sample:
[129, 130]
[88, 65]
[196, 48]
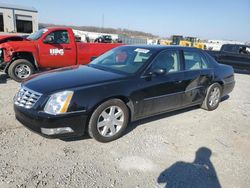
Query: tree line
[119, 31]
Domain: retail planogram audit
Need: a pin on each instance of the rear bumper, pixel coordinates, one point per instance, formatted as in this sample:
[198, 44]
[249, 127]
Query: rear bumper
[38, 121]
[228, 88]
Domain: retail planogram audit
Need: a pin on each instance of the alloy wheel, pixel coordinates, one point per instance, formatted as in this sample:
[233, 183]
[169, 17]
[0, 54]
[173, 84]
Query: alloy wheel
[110, 121]
[214, 97]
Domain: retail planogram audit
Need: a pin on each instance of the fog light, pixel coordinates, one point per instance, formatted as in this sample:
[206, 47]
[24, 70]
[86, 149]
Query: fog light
[61, 130]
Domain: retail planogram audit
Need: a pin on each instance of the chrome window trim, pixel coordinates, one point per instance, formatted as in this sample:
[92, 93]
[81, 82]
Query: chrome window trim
[160, 96]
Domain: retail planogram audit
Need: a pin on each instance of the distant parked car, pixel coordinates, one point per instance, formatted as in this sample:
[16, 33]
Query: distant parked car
[123, 85]
[236, 55]
[104, 39]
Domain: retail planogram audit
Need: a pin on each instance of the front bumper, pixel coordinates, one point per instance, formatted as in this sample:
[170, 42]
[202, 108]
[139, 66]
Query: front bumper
[2, 64]
[36, 121]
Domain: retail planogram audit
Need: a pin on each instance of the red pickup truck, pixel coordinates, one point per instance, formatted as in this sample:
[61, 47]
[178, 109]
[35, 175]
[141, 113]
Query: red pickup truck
[47, 48]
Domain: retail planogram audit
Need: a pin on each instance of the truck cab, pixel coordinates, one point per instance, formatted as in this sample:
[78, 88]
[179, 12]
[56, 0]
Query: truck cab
[47, 48]
[236, 55]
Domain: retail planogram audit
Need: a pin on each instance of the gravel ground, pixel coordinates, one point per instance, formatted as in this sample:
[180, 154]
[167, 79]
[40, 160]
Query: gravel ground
[188, 148]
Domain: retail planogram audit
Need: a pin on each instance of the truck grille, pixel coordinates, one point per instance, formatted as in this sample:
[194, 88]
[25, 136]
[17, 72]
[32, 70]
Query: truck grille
[26, 98]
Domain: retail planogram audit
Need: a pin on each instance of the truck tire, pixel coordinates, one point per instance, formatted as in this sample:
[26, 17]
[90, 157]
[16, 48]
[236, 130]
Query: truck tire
[20, 69]
[213, 97]
[108, 121]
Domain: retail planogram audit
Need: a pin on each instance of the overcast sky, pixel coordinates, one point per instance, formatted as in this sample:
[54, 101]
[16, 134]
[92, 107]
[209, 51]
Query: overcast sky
[207, 19]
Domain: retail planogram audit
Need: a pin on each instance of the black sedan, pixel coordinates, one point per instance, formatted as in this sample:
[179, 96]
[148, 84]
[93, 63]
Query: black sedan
[123, 85]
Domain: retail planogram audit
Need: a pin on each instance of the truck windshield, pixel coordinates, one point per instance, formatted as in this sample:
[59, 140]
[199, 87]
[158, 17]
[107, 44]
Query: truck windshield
[37, 35]
[125, 59]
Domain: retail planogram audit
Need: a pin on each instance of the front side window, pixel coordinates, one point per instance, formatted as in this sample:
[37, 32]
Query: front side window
[248, 50]
[244, 50]
[59, 37]
[167, 60]
[194, 61]
[125, 59]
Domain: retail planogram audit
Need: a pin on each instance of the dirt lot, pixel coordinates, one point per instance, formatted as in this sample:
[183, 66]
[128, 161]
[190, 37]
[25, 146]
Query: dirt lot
[173, 148]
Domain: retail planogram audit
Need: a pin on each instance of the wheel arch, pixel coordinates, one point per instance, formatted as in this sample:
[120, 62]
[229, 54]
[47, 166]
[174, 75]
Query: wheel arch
[128, 102]
[24, 55]
[220, 82]
[216, 81]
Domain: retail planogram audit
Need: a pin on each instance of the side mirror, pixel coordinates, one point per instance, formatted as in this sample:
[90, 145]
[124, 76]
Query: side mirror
[159, 71]
[156, 72]
[93, 58]
[48, 40]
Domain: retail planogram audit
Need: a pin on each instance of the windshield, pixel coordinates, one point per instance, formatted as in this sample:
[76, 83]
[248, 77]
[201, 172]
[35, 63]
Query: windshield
[37, 35]
[125, 59]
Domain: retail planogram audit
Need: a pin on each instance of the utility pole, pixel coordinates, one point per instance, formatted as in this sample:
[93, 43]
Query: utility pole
[102, 22]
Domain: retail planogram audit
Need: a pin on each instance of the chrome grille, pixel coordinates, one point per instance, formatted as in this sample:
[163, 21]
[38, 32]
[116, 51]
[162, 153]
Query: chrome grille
[26, 98]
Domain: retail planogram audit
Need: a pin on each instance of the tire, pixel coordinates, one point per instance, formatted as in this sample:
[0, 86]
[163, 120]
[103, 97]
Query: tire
[102, 122]
[20, 69]
[207, 103]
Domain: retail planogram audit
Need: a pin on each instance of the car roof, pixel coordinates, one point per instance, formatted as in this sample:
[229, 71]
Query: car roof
[163, 47]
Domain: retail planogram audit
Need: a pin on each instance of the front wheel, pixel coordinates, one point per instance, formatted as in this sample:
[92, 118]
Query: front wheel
[20, 69]
[108, 121]
[213, 97]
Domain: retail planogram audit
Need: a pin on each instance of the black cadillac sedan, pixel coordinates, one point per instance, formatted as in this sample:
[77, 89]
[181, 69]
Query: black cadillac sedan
[123, 85]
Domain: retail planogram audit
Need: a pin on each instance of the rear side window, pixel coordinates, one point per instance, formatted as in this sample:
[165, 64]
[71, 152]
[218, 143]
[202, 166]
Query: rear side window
[168, 60]
[194, 61]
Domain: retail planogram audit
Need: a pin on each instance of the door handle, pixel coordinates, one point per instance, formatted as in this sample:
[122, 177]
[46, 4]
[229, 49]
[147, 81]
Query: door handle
[178, 82]
[67, 48]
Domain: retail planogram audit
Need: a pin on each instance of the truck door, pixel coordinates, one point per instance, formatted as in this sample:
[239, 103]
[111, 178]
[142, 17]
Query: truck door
[244, 58]
[234, 55]
[57, 49]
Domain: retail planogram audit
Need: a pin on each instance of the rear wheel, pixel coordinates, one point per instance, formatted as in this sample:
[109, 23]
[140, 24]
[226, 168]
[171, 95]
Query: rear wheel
[108, 121]
[213, 97]
[20, 69]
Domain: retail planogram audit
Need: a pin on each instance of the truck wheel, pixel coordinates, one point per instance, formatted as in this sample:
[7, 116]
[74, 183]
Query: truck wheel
[108, 121]
[20, 69]
[213, 97]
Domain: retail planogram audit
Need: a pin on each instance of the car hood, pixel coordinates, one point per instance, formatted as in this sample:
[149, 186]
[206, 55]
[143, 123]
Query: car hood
[11, 37]
[69, 78]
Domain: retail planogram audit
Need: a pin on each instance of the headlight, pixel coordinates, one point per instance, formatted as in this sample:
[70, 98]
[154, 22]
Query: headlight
[58, 103]
[1, 52]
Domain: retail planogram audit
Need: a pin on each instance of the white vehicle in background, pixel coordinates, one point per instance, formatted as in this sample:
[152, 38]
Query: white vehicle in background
[87, 36]
[81, 35]
[152, 41]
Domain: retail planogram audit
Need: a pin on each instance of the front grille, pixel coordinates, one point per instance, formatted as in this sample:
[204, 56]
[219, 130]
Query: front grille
[26, 98]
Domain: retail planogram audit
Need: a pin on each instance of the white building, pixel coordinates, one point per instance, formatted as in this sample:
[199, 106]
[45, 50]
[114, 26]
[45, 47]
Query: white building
[18, 19]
